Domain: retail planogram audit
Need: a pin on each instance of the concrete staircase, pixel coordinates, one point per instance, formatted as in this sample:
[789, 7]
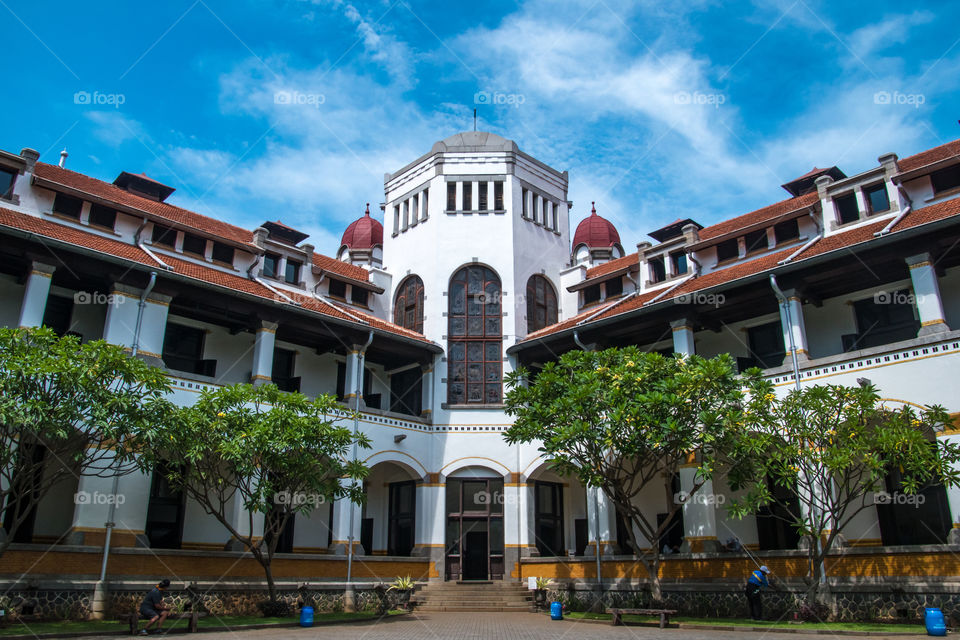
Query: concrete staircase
[473, 596]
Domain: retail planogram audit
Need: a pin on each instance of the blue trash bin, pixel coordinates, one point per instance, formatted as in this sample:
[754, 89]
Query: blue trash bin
[556, 611]
[306, 617]
[936, 625]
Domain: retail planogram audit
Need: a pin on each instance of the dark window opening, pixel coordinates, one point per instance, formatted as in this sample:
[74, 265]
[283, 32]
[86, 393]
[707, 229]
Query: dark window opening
[271, 265]
[474, 349]
[946, 179]
[222, 253]
[498, 195]
[67, 206]
[877, 198]
[775, 528]
[524, 205]
[164, 526]
[728, 250]
[402, 515]
[847, 209]
[7, 178]
[284, 365]
[658, 272]
[468, 196]
[406, 392]
[341, 381]
[292, 272]
[923, 520]
[672, 537]
[183, 350]
[163, 236]
[101, 216]
[482, 191]
[613, 287]
[285, 535]
[548, 508]
[408, 306]
[756, 241]
[591, 294]
[541, 303]
[882, 319]
[194, 244]
[58, 314]
[451, 196]
[786, 231]
[359, 296]
[766, 347]
[474, 531]
[23, 497]
[679, 262]
[338, 289]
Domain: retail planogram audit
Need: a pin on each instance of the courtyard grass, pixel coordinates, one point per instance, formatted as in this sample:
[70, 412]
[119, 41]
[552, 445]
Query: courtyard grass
[233, 622]
[915, 628]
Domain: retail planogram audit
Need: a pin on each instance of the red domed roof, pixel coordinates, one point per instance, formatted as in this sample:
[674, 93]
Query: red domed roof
[595, 232]
[365, 233]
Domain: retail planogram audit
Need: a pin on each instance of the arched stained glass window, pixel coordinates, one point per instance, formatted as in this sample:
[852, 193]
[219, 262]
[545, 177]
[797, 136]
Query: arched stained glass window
[475, 337]
[541, 303]
[408, 305]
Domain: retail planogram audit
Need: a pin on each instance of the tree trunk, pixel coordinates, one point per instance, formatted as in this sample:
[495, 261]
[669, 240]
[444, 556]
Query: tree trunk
[271, 587]
[653, 568]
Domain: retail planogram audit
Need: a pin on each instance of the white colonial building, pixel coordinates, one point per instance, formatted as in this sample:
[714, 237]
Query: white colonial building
[475, 271]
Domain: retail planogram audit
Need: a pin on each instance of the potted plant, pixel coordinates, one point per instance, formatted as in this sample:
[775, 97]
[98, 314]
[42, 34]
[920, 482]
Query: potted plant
[404, 587]
[540, 591]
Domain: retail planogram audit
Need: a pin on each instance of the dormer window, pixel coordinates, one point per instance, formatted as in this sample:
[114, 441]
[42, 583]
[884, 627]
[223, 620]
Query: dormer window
[878, 201]
[163, 236]
[591, 294]
[786, 231]
[678, 261]
[847, 209]
[338, 289]
[727, 250]
[194, 244]
[658, 272]
[7, 178]
[292, 273]
[101, 216]
[271, 265]
[222, 253]
[613, 287]
[756, 241]
[68, 206]
[946, 179]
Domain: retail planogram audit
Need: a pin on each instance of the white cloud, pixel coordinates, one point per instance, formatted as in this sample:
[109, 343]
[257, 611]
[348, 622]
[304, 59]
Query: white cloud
[892, 30]
[113, 128]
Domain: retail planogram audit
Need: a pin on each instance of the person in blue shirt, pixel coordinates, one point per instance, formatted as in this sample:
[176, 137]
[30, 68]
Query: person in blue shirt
[755, 586]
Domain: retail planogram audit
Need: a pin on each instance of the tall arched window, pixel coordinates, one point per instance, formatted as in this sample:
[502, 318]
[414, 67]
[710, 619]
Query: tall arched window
[474, 346]
[541, 303]
[408, 306]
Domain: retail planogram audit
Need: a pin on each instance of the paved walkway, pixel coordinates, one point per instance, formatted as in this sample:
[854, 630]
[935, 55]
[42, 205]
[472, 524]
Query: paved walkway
[499, 626]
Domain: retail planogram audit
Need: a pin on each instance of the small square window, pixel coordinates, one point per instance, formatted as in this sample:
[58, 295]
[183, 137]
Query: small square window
[67, 206]
[877, 199]
[847, 209]
[101, 216]
[658, 272]
[679, 262]
[271, 265]
[756, 240]
[591, 294]
[338, 289]
[163, 236]
[292, 274]
[728, 250]
[359, 296]
[7, 178]
[946, 179]
[786, 231]
[614, 287]
[194, 244]
[222, 253]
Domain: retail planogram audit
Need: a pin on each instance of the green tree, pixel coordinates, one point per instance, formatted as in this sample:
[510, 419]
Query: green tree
[620, 419]
[274, 453]
[828, 448]
[63, 408]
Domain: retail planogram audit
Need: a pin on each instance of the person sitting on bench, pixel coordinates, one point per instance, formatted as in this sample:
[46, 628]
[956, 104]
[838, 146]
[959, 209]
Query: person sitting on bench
[153, 608]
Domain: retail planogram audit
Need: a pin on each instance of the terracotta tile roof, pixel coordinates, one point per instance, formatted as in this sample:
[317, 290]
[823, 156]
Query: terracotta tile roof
[94, 242]
[929, 156]
[760, 215]
[613, 265]
[844, 240]
[117, 195]
[345, 269]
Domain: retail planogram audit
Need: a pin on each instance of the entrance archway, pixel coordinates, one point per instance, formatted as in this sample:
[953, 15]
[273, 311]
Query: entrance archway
[474, 525]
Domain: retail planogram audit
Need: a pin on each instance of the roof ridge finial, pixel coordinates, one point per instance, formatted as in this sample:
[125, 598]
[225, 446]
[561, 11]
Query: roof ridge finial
[367, 212]
[593, 207]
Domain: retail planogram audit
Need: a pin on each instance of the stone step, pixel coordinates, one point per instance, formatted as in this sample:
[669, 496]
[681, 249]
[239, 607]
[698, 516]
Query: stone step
[476, 608]
[477, 600]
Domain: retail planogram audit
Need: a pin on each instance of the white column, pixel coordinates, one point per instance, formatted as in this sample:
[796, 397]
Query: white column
[343, 511]
[598, 504]
[352, 394]
[121, 322]
[92, 505]
[426, 392]
[35, 294]
[430, 526]
[796, 326]
[683, 337]
[518, 518]
[263, 347]
[926, 290]
[699, 512]
[953, 502]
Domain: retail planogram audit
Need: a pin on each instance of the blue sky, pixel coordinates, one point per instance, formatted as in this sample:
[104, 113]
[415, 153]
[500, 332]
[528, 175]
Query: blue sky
[658, 110]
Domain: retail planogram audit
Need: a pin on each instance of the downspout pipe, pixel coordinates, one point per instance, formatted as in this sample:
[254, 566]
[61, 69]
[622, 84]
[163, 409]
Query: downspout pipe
[903, 214]
[267, 285]
[137, 241]
[321, 299]
[358, 391]
[596, 497]
[809, 243]
[115, 486]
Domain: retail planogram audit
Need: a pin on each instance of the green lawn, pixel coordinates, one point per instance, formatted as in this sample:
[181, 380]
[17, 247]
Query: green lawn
[746, 622]
[210, 621]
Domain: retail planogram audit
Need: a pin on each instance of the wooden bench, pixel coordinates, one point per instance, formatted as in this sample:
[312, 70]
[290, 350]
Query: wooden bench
[663, 613]
[193, 618]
